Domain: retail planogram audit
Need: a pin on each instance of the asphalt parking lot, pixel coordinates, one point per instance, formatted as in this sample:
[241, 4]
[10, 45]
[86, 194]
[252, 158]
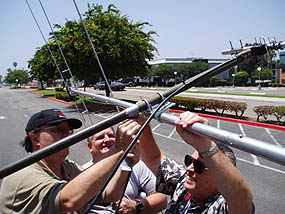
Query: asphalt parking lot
[265, 178]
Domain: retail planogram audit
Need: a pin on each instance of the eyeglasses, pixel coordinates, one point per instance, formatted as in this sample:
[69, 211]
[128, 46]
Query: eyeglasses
[58, 130]
[198, 165]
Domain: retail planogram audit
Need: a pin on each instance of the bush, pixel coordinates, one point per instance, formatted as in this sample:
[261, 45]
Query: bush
[221, 82]
[241, 78]
[279, 112]
[213, 81]
[62, 95]
[277, 85]
[217, 105]
[238, 107]
[263, 111]
[59, 89]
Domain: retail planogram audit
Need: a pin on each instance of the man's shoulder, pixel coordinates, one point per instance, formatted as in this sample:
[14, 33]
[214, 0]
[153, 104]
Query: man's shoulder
[72, 168]
[23, 178]
[28, 171]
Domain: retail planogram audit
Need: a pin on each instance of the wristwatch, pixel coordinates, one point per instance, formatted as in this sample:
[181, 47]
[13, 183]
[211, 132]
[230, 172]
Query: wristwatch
[139, 206]
[209, 153]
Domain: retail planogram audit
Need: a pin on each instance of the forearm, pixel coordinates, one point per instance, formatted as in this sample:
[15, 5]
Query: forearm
[86, 185]
[230, 183]
[150, 152]
[154, 203]
[115, 188]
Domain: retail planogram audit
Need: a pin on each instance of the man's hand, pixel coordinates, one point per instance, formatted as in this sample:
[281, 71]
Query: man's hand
[199, 142]
[126, 132]
[126, 207]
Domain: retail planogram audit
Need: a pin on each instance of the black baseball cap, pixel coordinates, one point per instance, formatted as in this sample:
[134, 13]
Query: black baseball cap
[50, 116]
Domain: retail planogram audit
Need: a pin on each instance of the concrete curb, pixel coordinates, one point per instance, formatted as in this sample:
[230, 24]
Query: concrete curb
[71, 104]
[264, 125]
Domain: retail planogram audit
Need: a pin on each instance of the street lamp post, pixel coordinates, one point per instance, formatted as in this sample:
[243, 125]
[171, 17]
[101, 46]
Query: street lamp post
[175, 73]
[17, 83]
[233, 75]
[259, 86]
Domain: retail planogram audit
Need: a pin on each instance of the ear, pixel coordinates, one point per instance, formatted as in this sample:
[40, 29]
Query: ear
[89, 146]
[35, 140]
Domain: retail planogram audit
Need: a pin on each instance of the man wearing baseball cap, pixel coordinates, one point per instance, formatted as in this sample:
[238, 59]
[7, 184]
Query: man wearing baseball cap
[55, 184]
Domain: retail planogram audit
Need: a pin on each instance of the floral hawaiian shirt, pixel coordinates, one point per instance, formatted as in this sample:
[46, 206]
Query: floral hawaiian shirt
[170, 181]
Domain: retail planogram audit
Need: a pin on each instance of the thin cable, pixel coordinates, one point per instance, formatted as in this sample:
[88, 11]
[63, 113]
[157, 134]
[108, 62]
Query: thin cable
[130, 147]
[54, 60]
[46, 42]
[94, 51]
[124, 190]
[68, 68]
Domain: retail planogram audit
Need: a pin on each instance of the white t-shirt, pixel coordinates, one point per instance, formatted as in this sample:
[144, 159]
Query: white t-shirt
[141, 183]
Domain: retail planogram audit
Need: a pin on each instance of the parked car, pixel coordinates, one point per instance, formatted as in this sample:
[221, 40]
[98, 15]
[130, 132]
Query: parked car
[115, 86]
[99, 85]
[128, 81]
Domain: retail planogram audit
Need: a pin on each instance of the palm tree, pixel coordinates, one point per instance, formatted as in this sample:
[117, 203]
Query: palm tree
[15, 64]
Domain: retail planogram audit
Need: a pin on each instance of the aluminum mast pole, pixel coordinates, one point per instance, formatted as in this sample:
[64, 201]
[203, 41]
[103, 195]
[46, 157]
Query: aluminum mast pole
[127, 113]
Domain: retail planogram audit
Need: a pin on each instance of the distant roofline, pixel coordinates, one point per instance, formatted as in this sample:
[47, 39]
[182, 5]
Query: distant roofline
[171, 60]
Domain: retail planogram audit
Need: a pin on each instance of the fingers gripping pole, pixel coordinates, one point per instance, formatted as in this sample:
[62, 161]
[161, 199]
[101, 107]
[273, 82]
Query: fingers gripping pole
[262, 149]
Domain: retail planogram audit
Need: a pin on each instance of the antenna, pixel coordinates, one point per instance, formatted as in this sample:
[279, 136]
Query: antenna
[241, 46]
[231, 45]
[258, 47]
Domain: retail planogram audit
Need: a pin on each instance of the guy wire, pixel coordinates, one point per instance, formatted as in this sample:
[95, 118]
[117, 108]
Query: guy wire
[94, 51]
[68, 68]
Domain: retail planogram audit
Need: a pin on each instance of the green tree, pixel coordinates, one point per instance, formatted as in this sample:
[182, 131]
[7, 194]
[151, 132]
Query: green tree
[241, 78]
[191, 69]
[250, 63]
[18, 76]
[121, 45]
[265, 73]
[42, 66]
[15, 64]
[164, 71]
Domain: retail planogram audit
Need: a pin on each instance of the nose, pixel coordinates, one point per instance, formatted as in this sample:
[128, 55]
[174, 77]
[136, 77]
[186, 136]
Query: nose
[190, 168]
[106, 137]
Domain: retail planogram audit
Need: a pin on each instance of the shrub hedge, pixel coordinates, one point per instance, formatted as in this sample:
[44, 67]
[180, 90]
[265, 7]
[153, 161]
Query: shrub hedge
[62, 95]
[203, 104]
[265, 111]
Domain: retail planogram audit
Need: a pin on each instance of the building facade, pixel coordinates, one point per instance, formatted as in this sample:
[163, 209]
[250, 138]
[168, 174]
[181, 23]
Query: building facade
[282, 68]
[176, 61]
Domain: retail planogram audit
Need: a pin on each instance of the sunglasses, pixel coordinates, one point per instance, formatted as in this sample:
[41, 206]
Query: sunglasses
[198, 165]
[58, 130]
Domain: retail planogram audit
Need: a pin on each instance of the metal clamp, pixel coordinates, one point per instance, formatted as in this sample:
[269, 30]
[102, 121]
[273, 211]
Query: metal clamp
[148, 105]
[161, 95]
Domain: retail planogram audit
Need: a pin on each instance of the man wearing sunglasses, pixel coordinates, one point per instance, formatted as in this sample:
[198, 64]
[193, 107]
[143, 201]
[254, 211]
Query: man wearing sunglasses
[55, 184]
[208, 183]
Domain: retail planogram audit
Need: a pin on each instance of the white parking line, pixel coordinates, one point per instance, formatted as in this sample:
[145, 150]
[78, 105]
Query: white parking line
[218, 124]
[156, 127]
[172, 132]
[275, 141]
[255, 160]
[177, 140]
[266, 167]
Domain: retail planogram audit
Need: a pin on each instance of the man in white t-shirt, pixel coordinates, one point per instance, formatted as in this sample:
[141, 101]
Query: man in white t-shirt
[140, 195]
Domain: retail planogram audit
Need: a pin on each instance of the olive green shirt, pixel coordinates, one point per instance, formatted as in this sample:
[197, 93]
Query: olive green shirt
[35, 189]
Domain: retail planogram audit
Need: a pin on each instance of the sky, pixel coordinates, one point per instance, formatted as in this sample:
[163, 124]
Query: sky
[185, 28]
